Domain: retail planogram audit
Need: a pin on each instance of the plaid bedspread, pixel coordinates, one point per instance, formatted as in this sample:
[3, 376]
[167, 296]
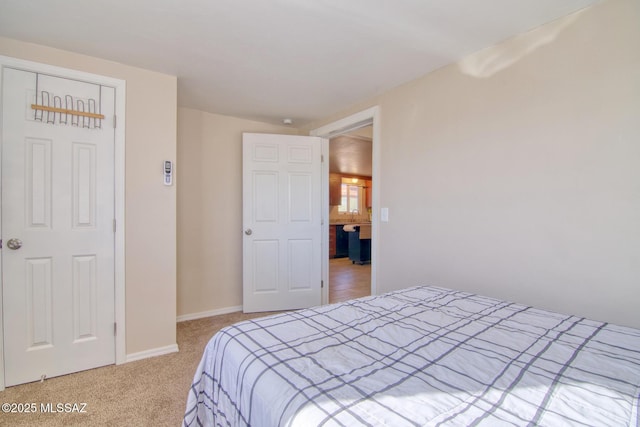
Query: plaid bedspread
[419, 356]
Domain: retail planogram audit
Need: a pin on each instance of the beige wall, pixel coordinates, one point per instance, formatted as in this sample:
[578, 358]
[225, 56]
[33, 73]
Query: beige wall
[529, 177]
[209, 180]
[150, 206]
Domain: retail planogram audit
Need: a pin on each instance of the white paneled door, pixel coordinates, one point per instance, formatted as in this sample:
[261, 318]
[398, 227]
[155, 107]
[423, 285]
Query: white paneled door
[282, 214]
[57, 227]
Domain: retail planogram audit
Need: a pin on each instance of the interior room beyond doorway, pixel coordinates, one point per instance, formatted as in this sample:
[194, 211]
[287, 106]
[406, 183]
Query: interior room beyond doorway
[350, 194]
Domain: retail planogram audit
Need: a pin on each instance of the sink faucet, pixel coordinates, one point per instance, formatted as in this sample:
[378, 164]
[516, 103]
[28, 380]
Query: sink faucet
[354, 212]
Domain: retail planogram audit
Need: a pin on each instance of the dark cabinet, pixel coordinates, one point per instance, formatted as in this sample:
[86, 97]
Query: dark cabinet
[359, 249]
[342, 242]
[332, 242]
[338, 242]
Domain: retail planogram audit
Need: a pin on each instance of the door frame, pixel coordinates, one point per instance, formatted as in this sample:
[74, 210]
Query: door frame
[119, 190]
[363, 118]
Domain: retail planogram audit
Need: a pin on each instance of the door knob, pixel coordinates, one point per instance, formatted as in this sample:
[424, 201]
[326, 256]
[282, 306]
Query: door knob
[14, 244]
[248, 232]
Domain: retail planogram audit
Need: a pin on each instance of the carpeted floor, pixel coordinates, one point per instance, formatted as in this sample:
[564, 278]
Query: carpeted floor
[150, 392]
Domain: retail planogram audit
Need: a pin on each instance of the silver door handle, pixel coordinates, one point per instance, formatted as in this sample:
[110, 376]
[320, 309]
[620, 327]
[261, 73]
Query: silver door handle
[14, 244]
[248, 232]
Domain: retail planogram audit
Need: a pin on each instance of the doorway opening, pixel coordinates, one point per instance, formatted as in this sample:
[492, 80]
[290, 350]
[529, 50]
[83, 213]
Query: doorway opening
[350, 196]
[350, 220]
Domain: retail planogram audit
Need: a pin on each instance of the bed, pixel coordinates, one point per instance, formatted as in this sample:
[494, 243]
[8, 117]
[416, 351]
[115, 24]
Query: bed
[418, 356]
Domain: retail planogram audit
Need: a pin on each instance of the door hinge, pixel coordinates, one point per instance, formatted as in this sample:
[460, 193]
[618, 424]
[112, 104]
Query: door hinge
[321, 284]
[115, 328]
[322, 158]
[114, 121]
[114, 225]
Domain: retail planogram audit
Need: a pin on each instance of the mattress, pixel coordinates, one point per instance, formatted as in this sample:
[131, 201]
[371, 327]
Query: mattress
[418, 356]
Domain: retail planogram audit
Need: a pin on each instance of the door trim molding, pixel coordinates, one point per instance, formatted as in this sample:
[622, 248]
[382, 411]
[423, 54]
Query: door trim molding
[119, 188]
[354, 121]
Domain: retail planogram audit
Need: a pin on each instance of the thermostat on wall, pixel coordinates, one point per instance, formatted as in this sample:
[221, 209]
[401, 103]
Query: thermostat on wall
[168, 172]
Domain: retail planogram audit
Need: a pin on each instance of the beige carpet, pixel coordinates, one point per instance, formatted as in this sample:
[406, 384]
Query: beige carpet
[150, 392]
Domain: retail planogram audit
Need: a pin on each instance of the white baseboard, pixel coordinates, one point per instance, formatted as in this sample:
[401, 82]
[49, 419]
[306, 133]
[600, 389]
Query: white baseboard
[202, 314]
[151, 353]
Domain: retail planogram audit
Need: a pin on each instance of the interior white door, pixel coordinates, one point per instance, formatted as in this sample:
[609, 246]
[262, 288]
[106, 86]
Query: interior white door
[58, 202]
[281, 222]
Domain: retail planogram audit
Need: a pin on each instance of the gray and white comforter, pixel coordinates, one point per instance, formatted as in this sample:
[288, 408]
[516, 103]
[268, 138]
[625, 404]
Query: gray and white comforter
[418, 356]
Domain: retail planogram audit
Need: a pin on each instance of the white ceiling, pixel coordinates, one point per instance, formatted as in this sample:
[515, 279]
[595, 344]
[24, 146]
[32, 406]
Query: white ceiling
[270, 59]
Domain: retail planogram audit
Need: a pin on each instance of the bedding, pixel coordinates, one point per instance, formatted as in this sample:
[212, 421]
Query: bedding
[418, 356]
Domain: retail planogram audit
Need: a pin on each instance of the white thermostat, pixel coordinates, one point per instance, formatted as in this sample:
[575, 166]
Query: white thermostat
[168, 172]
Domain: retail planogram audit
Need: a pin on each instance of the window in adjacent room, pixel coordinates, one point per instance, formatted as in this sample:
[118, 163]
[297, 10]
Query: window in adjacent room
[350, 200]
